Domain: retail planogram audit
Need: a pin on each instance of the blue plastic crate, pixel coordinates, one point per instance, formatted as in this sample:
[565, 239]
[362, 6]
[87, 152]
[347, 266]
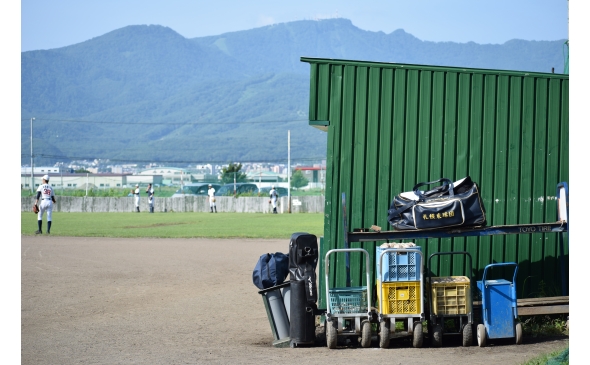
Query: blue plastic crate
[399, 266]
[348, 300]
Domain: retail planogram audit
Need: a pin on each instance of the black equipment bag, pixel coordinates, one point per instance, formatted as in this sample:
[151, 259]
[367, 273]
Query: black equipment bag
[303, 260]
[301, 315]
[450, 205]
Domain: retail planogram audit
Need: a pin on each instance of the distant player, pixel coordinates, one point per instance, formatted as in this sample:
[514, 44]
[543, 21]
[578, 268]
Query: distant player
[274, 195]
[150, 192]
[136, 195]
[45, 193]
[211, 193]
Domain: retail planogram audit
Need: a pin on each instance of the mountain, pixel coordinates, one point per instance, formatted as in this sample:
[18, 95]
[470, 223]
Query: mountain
[146, 94]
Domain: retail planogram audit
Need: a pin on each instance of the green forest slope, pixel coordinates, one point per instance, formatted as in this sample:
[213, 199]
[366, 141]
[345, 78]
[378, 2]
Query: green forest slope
[146, 94]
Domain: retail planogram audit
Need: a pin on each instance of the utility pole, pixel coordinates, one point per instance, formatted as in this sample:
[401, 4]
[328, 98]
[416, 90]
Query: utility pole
[32, 178]
[289, 171]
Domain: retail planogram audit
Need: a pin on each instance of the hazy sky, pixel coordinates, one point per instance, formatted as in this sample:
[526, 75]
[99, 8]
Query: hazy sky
[53, 24]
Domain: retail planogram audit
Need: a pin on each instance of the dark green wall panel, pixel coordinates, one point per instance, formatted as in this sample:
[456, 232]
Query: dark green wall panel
[394, 125]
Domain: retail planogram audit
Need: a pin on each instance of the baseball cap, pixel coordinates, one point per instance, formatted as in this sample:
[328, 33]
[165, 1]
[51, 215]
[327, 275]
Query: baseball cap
[210, 185]
[136, 184]
[46, 177]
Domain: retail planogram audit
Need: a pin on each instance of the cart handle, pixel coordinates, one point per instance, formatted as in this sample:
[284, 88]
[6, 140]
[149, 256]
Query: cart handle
[449, 253]
[327, 272]
[402, 250]
[485, 270]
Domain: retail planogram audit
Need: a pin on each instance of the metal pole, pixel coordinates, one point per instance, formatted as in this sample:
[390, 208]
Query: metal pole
[32, 178]
[289, 170]
[87, 184]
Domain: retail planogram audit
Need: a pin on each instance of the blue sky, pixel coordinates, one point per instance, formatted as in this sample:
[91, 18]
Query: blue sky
[53, 24]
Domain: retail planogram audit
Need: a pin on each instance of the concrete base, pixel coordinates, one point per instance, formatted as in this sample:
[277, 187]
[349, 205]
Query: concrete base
[284, 342]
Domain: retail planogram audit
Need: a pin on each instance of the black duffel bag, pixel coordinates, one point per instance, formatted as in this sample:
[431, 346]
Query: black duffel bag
[451, 204]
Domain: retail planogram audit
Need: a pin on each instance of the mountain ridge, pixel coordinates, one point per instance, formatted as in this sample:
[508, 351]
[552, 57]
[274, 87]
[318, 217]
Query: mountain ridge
[144, 92]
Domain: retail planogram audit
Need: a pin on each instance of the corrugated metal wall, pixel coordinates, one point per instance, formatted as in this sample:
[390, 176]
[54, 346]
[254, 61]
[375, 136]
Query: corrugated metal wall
[391, 126]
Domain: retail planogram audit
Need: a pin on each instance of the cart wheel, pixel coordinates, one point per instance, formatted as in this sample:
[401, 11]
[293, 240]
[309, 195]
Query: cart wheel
[365, 334]
[481, 335]
[519, 333]
[384, 335]
[436, 338]
[331, 333]
[467, 335]
[418, 339]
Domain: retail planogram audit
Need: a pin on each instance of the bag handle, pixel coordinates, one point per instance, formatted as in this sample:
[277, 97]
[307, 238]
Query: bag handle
[446, 186]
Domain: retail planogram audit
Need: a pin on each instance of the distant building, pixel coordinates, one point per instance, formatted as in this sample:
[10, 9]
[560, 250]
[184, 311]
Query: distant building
[316, 175]
[263, 176]
[170, 175]
[40, 170]
[82, 180]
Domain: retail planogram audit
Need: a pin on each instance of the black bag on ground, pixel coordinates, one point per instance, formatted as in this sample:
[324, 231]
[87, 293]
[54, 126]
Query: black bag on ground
[303, 260]
[451, 204]
[270, 270]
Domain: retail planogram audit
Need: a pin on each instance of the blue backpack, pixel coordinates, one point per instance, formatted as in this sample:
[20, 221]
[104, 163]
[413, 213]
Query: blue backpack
[270, 270]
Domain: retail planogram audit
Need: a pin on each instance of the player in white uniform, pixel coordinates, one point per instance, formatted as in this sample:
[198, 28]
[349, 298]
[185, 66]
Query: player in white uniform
[150, 192]
[136, 194]
[274, 195]
[211, 193]
[45, 193]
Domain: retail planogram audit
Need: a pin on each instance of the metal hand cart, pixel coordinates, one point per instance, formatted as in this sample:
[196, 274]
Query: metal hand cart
[348, 310]
[401, 300]
[498, 306]
[450, 299]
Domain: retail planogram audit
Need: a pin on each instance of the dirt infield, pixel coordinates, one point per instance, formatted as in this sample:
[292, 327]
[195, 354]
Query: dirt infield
[182, 301]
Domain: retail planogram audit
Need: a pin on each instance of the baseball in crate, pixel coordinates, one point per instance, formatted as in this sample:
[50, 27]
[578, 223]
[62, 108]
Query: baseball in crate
[450, 204]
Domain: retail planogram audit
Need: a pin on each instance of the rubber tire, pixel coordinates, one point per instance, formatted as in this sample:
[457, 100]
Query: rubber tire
[519, 334]
[481, 335]
[418, 337]
[384, 334]
[436, 337]
[467, 335]
[331, 333]
[366, 334]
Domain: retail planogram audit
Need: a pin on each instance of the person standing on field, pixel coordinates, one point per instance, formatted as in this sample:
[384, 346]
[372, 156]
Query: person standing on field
[150, 192]
[211, 193]
[45, 193]
[274, 196]
[136, 195]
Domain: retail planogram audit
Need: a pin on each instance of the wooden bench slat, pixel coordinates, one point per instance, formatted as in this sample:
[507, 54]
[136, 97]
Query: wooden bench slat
[544, 309]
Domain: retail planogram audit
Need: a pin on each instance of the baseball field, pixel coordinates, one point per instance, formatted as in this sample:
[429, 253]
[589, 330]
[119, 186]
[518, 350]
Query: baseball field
[176, 288]
[177, 225]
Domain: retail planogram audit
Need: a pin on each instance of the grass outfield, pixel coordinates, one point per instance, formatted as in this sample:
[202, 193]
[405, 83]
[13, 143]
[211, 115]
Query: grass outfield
[177, 225]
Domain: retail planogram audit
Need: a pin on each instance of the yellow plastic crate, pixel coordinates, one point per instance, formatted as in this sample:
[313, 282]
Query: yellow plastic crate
[400, 297]
[450, 295]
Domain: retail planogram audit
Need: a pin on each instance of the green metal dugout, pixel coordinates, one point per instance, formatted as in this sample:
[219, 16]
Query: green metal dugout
[390, 126]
